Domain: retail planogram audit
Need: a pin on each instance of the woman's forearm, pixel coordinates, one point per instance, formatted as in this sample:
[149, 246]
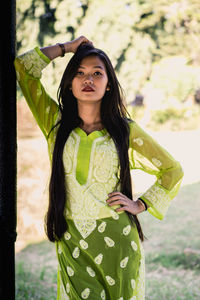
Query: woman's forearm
[55, 51]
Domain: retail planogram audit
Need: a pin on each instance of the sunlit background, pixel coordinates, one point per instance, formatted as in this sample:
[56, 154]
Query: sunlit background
[154, 46]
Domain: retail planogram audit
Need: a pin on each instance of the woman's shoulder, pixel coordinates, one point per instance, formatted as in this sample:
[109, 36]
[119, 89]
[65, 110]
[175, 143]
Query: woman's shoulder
[130, 123]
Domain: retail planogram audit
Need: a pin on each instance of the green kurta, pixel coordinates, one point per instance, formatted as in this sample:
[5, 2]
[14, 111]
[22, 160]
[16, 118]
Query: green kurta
[100, 256]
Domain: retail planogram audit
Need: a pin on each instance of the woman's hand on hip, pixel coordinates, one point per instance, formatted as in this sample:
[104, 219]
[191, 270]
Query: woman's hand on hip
[117, 198]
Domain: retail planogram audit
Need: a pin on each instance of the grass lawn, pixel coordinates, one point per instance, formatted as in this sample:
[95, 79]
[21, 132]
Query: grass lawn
[172, 256]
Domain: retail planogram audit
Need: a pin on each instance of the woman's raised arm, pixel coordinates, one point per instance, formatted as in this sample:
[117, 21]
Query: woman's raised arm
[54, 51]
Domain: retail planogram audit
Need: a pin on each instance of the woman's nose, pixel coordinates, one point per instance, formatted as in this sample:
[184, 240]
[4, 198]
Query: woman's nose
[88, 79]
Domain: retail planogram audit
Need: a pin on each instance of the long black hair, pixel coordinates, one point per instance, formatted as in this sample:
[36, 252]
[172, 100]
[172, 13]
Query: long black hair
[113, 117]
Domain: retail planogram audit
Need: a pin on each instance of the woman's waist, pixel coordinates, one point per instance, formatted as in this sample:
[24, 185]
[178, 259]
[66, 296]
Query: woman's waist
[83, 210]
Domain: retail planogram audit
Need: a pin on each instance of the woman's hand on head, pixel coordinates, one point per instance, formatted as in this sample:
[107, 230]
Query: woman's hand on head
[117, 198]
[73, 45]
[54, 51]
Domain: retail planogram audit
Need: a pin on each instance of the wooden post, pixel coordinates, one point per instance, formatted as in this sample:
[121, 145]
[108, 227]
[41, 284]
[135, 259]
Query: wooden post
[7, 151]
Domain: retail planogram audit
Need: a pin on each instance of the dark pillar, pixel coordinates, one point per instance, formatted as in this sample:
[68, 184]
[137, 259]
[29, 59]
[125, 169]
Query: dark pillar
[7, 151]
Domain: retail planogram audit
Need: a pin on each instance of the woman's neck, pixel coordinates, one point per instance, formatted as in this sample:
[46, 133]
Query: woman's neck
[90, 114]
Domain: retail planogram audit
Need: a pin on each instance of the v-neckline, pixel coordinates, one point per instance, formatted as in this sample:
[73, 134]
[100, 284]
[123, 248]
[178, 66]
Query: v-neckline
[92, 135]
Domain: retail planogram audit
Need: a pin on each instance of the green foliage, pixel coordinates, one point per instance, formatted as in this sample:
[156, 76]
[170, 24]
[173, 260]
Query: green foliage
[175, 78]
[134, 34]
[161, 116]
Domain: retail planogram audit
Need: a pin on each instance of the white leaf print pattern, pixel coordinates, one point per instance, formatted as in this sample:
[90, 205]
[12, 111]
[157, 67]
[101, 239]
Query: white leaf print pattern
[67, 236]
[133, 284]
[70, 271]
[127, 230]
[124, 262]
[76, 252]
[83, 244]
[102, 227]
[67, 287]
[103, 295]
[110, 280]
[98, 259]
[156, 162]
[134, 246]
[85, 294]
[109, 242]
[91, 272]
[138, 141]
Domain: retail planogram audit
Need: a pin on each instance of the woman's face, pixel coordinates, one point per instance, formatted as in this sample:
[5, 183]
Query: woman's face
[90, 82]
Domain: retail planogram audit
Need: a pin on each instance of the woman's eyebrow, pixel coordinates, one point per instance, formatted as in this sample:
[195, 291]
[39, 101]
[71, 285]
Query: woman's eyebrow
[95, 67]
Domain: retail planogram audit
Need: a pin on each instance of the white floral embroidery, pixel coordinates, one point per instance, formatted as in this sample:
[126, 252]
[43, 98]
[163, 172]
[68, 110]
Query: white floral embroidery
[127, 230]
[103, 295]
[70, 271]
[33, 63]
[68, 154]
[85, 227]
[138, 141]
[102, 227]
[67, 236]
[90, 271]
[76, 252]
[134, 245]
[98, 259]
[87, 203]
[110, 280]
[124, 262]
[156, 162]
[109, 242]
[85, 294]
[105, 161]
[83, 244]
[159, 198]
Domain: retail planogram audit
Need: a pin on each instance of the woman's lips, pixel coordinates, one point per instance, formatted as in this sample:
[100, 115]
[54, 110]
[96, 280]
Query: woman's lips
[88, 89]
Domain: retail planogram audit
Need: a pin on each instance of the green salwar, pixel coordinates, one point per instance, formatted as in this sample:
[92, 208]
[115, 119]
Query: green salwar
[100, 256]
[108, 264]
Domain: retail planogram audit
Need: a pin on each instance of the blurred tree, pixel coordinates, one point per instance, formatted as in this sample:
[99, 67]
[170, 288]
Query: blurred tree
[135, 34]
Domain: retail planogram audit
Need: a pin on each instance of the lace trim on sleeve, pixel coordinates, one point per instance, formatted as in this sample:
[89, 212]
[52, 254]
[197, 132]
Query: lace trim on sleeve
[159, 199]
[33, 62]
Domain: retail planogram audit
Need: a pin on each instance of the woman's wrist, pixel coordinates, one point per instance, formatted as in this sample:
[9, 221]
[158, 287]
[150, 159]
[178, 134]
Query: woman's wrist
[143, 203]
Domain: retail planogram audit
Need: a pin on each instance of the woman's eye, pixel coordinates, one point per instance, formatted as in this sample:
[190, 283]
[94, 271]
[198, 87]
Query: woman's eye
[79, 73]
[97, 73]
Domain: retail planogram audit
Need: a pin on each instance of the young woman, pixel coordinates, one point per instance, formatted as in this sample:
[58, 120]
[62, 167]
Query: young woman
[93, 145]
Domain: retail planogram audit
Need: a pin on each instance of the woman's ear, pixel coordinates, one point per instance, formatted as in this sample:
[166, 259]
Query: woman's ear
[108, 87]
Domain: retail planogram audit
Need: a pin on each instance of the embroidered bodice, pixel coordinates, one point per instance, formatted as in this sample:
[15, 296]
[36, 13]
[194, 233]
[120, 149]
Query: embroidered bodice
[91, 161]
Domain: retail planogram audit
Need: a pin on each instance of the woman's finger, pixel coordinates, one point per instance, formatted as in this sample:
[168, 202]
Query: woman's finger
[117, 202]
[125, 208]
[116, 195]
[114, 198]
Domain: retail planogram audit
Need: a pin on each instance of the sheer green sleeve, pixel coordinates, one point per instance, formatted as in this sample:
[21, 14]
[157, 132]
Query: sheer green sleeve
[147, 155]
[29, 68]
